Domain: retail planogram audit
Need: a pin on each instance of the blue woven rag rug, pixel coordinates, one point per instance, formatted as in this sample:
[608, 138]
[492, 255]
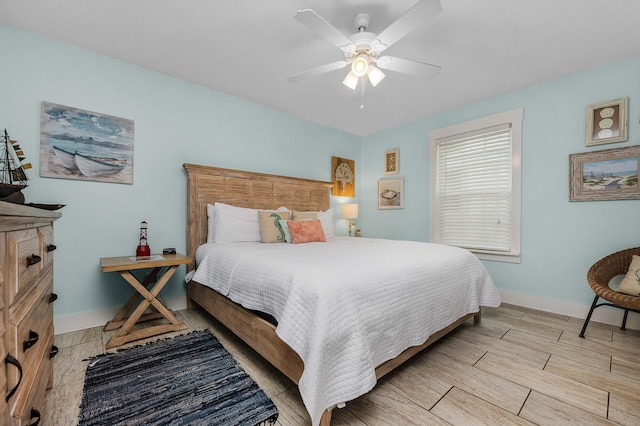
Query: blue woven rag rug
[185, 380]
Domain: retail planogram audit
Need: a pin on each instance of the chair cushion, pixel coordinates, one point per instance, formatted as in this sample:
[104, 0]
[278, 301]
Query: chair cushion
[630, 284]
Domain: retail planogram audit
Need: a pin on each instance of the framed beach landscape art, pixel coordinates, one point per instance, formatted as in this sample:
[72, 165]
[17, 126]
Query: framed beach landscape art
[84, 145]
[610, 174]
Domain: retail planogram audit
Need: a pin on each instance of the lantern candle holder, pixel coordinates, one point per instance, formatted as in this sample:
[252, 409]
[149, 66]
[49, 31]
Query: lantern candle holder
[143, 249]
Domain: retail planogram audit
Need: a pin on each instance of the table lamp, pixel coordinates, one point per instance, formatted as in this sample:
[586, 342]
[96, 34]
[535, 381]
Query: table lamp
[350, 211]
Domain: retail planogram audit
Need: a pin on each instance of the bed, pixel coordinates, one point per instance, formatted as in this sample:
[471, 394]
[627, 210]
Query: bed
[353, 317]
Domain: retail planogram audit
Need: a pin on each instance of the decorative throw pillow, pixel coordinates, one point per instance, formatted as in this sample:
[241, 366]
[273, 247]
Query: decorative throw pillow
[630, 284]
[304, 215]
[325, 217]
[285, 229]
[270, 229]
[306, 231]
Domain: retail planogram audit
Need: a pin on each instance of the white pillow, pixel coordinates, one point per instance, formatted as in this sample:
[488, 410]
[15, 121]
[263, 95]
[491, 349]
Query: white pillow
[211, 223]
[237, 224]
[326, 220]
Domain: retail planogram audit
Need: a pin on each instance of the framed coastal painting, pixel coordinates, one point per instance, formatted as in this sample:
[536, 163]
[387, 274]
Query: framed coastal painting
[392, 161]
[607, 122]
[391, 193]
[85, 145]
[610, 174]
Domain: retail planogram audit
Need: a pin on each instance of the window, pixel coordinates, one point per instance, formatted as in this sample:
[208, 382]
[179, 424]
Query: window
[474, 196]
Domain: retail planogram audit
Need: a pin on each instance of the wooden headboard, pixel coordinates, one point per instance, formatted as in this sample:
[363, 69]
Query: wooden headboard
[206, 185]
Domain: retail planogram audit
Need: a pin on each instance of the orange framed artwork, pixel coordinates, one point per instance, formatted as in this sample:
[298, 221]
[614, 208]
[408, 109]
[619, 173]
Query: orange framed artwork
[343, 175]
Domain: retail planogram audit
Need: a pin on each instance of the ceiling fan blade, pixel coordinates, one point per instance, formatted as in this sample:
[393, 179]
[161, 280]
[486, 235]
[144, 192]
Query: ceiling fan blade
[294, 78]
[318, 24]
[410, 21]
[406, 66]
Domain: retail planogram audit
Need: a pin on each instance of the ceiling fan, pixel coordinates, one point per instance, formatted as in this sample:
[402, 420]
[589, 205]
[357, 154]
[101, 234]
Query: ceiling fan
[362, 50]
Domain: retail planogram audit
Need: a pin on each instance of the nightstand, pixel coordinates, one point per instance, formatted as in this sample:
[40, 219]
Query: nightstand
[161, 268]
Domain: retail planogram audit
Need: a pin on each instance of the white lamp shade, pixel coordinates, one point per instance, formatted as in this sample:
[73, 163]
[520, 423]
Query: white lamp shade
[375, 75]
[360, 65]
[351, 80]
[350, 211]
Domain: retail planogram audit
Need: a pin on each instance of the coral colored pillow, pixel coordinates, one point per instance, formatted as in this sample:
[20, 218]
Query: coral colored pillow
[306, 231]
[325, 217]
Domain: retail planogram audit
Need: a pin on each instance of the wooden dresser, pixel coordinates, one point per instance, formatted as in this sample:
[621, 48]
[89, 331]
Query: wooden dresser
[26, 311]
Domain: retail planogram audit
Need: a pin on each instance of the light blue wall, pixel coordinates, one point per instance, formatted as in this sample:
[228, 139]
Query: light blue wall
[560, 239]
[176, 122]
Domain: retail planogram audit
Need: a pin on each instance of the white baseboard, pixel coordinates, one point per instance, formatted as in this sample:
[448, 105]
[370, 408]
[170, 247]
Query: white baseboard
[75, 322]
[604, 315]
[69, 323]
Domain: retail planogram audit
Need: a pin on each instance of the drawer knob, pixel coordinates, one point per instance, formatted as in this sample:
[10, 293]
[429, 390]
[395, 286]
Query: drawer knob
[13, 361]
[35, 414]
[33, 259]
[32, 340]
[54, 351]
[53, 297]
[51, 247]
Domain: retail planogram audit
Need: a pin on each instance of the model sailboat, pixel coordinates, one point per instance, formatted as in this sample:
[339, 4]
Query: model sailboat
[13, 178]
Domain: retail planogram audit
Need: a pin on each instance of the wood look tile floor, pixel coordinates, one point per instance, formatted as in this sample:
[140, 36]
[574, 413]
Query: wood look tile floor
[517, 367]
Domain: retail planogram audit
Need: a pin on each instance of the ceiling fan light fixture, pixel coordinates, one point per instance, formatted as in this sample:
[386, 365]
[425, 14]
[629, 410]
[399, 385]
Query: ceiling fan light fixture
[375, 75]
[351, 80]
[360, 65]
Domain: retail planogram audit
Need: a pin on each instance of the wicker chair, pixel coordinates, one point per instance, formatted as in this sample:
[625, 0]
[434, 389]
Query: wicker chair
[599, 276]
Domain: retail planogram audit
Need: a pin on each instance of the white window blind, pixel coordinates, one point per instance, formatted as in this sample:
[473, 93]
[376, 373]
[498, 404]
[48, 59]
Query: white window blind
[474, 185]
[474, 189]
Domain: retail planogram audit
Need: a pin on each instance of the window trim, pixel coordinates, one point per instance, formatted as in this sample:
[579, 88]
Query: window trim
[513, 117]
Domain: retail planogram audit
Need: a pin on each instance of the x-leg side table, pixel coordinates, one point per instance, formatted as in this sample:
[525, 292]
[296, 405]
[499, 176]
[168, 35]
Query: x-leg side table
[157, 263]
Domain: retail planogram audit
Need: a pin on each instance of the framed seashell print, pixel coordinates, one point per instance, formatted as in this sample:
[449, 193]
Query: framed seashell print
[392, 161]
[607, 122]
[391, 193]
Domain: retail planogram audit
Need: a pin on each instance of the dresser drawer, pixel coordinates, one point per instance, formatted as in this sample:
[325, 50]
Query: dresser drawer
[25, 261]
[3, 271]
[26, 311]
[48, 247]
[29, 402]
[3, 378]
[31, 324]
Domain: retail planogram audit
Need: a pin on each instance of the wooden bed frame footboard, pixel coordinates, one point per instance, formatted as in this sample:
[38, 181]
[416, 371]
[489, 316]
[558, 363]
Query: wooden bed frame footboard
[261, 336]
[257, 190]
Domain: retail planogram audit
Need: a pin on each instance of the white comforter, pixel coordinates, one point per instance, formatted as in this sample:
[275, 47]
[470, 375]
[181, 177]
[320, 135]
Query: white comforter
[348, 305]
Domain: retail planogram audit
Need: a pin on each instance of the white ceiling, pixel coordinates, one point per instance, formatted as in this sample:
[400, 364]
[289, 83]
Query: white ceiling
[247, 48]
